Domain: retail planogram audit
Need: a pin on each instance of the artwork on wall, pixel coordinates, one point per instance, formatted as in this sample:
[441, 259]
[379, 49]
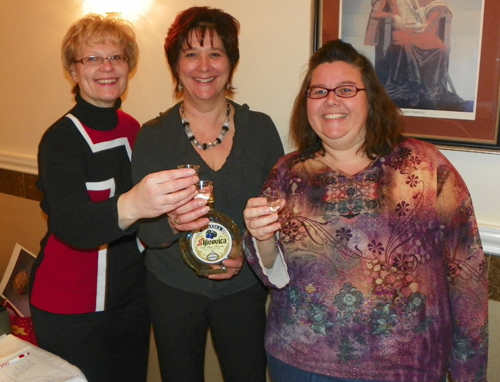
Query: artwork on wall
[14, 286]
[438, 60]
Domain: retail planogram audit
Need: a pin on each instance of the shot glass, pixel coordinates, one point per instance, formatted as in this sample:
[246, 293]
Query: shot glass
[195, 167]
[204, 189]
[273, 198]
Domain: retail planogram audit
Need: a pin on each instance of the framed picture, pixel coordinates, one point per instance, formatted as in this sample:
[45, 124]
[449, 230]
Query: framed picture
[14, 286]
[453, 98]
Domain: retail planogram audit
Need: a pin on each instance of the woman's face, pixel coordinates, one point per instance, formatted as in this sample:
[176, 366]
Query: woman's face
[204, 70]
[101, 85]
[339, 122]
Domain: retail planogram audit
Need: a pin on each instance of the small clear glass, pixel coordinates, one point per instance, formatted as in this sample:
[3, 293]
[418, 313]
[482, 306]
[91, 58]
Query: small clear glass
[195, 167]
[204, 189]
[273, 198]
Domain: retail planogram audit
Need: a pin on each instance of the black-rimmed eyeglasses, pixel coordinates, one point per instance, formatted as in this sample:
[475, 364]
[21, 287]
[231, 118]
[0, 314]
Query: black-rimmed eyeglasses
[115, 59]
[343, 91]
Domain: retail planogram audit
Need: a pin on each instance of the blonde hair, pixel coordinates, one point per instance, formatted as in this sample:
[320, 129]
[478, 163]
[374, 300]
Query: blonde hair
[98, 29]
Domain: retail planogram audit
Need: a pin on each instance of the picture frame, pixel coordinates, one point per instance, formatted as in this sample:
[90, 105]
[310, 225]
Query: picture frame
[14, 286]
[477, 134]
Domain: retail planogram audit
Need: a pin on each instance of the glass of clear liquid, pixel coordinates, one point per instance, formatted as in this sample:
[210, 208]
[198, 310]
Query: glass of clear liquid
[273, 198]
[195, 167]
[204, 189]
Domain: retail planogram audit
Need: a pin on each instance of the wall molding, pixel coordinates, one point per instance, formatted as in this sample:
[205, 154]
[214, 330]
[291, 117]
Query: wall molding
[20, 163]
[490, 235]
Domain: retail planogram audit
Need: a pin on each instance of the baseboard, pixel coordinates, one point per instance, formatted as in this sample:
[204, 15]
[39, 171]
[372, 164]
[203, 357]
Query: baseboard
[20, 163]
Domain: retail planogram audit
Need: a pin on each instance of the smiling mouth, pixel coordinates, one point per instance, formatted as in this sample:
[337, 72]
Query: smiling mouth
[334, 116]
[205, 80]
[107, 81]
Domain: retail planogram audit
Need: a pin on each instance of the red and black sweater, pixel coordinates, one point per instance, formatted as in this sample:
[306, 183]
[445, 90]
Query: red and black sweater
[87, 263]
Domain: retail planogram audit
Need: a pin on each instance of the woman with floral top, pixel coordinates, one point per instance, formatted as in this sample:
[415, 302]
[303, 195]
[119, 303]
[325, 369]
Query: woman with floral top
[375, 260]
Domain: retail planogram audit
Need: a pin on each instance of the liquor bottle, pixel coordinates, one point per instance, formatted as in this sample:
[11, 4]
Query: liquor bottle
[211, 245]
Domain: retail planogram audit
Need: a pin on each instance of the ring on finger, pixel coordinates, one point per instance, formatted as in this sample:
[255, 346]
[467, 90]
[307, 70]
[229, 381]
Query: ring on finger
[176, 221]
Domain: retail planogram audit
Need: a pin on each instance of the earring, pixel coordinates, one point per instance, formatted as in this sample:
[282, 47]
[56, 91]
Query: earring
[228, 86]
[179, 87]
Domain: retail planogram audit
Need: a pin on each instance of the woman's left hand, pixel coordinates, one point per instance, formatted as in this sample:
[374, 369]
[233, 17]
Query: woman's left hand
[233, 267]
[190, 216]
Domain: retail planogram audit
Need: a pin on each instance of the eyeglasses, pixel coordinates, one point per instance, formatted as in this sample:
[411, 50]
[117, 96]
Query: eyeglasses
[343, 91]
[116, 59]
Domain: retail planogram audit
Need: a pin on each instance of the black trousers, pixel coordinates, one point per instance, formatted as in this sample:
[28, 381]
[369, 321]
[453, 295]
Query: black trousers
[181, 321]
[109, 346]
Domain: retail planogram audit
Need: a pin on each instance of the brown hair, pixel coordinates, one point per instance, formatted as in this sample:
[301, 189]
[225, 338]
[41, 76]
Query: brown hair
[98, 29]
[384, 125]
[202, 20]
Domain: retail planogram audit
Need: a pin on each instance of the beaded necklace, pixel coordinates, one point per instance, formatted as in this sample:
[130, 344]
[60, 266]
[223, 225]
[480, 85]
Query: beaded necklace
[191, 137]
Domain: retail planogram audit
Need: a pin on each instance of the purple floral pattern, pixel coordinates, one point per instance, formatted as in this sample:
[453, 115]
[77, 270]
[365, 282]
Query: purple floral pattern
[371, 259]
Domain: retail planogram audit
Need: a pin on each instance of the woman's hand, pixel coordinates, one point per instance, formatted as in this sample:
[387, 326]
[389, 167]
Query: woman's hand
[156, 194]
[259, 221]
[233, 267]
[189, 217]
[262, 225]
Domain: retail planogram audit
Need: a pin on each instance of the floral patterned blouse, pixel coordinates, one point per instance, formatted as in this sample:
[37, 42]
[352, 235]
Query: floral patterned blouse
[381, 275]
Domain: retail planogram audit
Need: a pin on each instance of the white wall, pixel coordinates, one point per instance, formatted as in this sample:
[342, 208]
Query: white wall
[275, 43]
[34, 91]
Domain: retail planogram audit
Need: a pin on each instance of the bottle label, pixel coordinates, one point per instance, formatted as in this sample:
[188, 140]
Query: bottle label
[213, 244]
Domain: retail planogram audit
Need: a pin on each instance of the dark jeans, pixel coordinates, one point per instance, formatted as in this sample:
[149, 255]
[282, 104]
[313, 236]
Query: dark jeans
[181, 321]
[109, 346]
[282, 372]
